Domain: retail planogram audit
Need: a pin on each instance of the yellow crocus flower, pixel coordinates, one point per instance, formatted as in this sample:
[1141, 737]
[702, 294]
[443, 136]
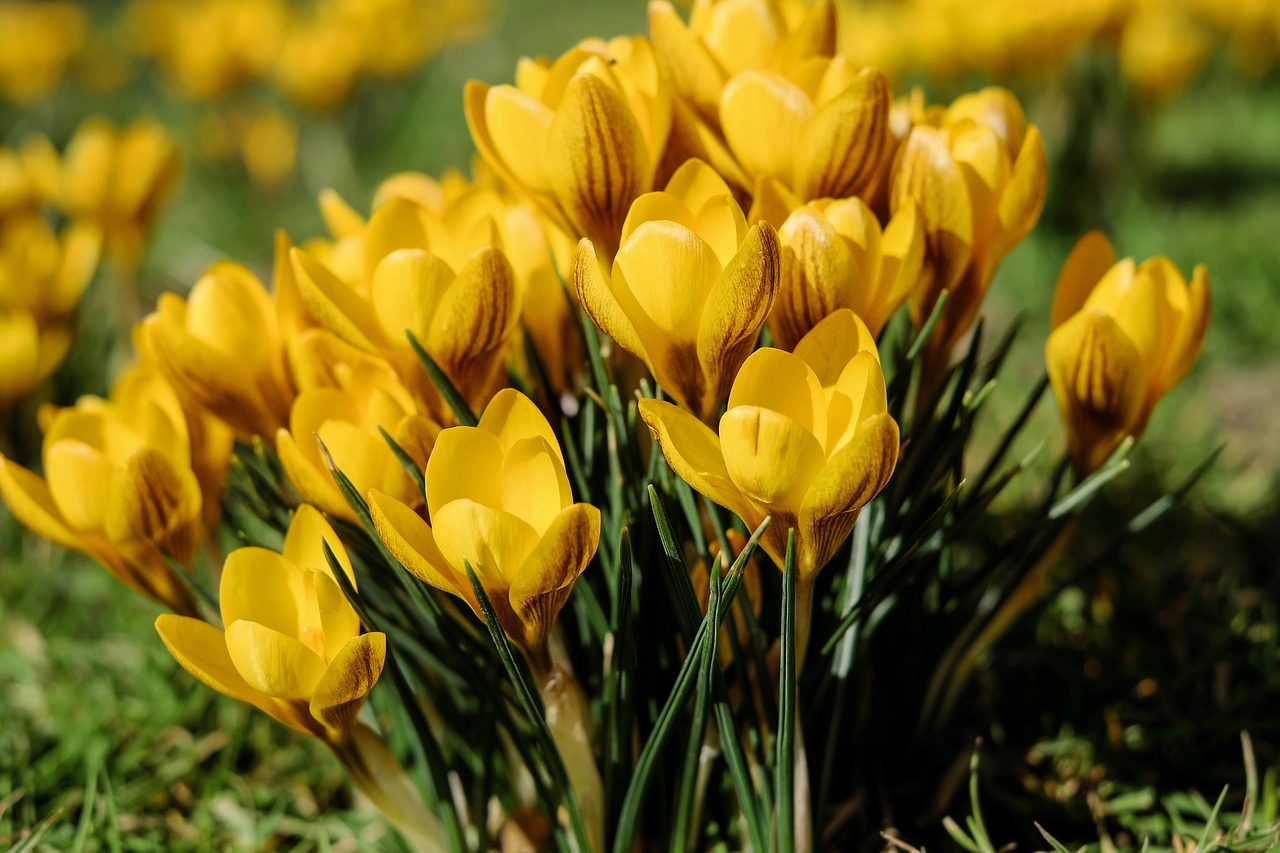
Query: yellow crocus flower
[1123, 335]
[346, 419]
[118, 486]
[978, 179]
[821, 129]
[835, 255]
[464, 320]
[292, 644]
[120, 179]
[806, 440]
[221, 348]
[42, 275]
[497, 497]
[689, 289]
[38, 41]
[582, 136]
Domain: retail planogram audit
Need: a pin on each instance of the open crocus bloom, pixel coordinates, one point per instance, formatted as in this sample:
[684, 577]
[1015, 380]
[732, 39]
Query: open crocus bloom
[498, 499]
[689, 289]
[118, 486]
[806, 439]
[582, 135]
[1123, 335]
[292, 644]
[835, 255]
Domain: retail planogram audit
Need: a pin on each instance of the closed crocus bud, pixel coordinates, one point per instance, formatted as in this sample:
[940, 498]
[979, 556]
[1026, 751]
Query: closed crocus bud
[119, 179]
[292, 644]
[835, 255]
[498, 498]
[582, 136]
[221, 348]
[978, 180]
[347, 420]
[1123, 335]
[821, 130]
[118, 486]
[42, 275]
[688, 290]
[806, 440]
[463, 319]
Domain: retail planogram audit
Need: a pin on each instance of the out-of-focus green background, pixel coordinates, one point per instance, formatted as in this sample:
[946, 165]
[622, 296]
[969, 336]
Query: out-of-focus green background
[103, 736]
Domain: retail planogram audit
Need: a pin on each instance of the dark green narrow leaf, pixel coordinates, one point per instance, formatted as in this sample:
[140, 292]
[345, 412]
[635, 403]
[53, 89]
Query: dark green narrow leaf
[1089, 486]
[406, 461]
[926, 331]
[456, 401]
[620, 698]
[532, 708]
[629, 817]
[784, 767]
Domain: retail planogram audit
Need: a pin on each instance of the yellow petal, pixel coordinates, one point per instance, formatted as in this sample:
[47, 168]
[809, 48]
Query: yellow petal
[405, 290]
[817, 272]
[28, 498]
[1088, 262]
[495, 542]
[411, 541]
[398, 224]
[262, 586]
[474, 322]
[342, 689]
[859, 393]
[771, 458]
[535, 486]
[273, 663]
[596, 160]
[79, 478]
[779, 381]
[735, 310]
[155, 501]
[772, 202]
[1190, 335]
[201, 649]
[694, 73]
[545, 580]
[596, 295]
[520, 128]
[312, 480]
[1023, 197]
[340, 218]
[667, 271]
[334, 305]
[1097, 377]
[831, 345]
[693, 452]
[361, 454]
[338, 620]
[304, 543]
[466, 463]
[902, 250]
[762, 114]
[845, 484]
[843, 148]
[512, 417]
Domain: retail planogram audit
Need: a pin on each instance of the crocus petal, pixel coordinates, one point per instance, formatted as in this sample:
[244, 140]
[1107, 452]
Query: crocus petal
[1023, 197]
[762, 114]
[338, 620]
[817, 268]
[334, 305]
[314, 483]
[694, 73]
[304, 543]
[535, 486]
[693, 452]
[346, 682]
[273, 663]
[512, 417]
[405, 289]
[546, 578]
[398, 224]
[735, 311]
[1088, 262]
[77, 475]
[777, 380]
[842, 149]
[28, 498]
[596, 161]
[495, 542]
[157, 502]
[1190, 334]
[604, 308]
[845, 484]
[474, 322]
[520, 128]
[466, 463]
[831, 345]
[771, 458]
[263, 587]
[411, 542]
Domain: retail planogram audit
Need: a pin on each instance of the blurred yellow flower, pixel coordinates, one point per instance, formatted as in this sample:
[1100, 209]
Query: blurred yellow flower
[120, 180]
[977, 175]
[221, 349]
[118, 486]
[38, 41]
[582, 137]
[42, 275]
[1123, 335]
[835, 255]
[498, 497]
[1161, 49]
[292, 644]
[688, 290]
